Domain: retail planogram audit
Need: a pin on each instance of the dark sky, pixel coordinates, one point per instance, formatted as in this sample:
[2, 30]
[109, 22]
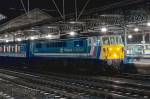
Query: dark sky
[13, 8]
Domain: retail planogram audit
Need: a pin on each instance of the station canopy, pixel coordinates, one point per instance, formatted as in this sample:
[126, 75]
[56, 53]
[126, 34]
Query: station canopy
[37, 24]
[33, 17]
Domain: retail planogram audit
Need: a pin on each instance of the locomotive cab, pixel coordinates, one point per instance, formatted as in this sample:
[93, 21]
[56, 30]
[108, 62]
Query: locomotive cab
[112, 50]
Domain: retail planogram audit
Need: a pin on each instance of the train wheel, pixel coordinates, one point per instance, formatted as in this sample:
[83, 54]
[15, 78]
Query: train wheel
[114, 65]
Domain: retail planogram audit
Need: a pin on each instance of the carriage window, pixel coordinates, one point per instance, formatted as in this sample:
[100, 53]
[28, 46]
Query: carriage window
[78, 43]
[1, 49]
[12, 48]
[56, 44]
[113, 40]
[98, 42]
[53, 45]
[147, 46]
[106, 40]
[119, 40]
[64, 44]
[135, 50]
[38, 45]
[8, 48]
[19, 49]
[16, 48]
[48, 45]
[4, 48]
[61, 44]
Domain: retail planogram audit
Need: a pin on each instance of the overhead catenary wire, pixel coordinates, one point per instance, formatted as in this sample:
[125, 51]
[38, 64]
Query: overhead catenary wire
[121, 3]
[76, 10]
[83, 9]
[64, 10]
[106, 7]
[57, 9]
[23, 7]
[28, 5]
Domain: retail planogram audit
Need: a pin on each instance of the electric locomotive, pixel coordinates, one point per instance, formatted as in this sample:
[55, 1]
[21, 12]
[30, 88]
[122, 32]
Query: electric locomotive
[97, 52]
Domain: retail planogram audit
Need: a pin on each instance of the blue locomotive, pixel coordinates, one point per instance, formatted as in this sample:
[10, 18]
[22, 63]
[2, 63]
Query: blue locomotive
[86, 52]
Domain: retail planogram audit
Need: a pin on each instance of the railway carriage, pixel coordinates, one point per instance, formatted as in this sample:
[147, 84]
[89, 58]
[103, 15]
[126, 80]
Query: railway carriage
[98, 52]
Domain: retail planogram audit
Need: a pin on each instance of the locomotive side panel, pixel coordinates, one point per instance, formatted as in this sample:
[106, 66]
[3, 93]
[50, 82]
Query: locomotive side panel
[78, 48]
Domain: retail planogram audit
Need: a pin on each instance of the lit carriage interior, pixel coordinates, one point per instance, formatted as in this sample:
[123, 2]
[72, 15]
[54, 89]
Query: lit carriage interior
[13, 50]
[10, 48]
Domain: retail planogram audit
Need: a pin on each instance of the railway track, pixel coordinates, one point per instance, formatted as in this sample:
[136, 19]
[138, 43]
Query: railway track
[134, 76]
[76, 87]
[10, 90]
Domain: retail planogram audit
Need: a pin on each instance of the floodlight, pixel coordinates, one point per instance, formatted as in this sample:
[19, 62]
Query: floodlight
[130, 36]
[49, 36]
[136, 29]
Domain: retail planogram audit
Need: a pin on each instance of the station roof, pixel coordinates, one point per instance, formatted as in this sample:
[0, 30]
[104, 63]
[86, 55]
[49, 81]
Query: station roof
[33, 17]
[14, 8]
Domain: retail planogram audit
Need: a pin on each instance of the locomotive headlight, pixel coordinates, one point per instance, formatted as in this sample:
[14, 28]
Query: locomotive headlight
[115, 55]
[110, 49]
[118, 49]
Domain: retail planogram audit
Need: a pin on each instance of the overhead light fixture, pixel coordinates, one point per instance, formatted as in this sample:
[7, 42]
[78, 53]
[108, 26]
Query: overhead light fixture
[72, 22]
[130, 36]
[103, 29]
[148, 23]
[32, 30]
[6, 35]
[76, 22]
[72, 33]
[32, 38]
[136, 29]
[6, 41]
[49, 36]
[19, 39]
[51, 27]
